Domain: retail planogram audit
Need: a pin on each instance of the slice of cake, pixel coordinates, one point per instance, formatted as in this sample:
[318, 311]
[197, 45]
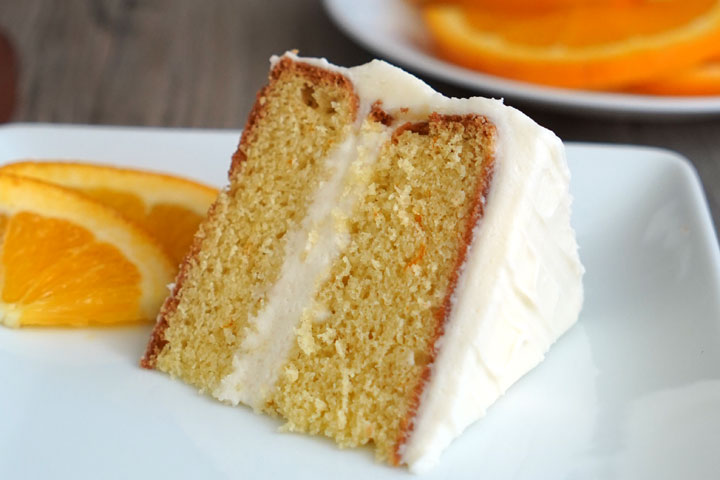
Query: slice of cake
[384, 264]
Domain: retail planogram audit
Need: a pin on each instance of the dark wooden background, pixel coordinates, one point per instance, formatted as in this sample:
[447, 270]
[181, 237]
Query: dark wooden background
[198, 63]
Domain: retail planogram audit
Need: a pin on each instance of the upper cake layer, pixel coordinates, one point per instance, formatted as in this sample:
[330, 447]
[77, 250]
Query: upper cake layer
[386, 262]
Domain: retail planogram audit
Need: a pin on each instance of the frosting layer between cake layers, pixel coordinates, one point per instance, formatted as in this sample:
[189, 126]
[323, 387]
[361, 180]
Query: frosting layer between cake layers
[506, 309]
[309, 253]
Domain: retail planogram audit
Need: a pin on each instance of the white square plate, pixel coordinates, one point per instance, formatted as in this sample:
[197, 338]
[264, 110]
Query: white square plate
[632, 391]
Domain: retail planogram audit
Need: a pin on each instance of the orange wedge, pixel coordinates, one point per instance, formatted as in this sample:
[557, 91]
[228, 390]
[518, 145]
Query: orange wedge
[591, 46]
[68, 260]
[169, 208]
[702, 79]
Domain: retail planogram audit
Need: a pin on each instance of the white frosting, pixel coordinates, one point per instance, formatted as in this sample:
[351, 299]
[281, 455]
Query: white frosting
[506, 309]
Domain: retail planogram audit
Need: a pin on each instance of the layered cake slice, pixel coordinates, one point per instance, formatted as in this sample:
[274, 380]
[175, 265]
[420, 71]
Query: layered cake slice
[383, 265]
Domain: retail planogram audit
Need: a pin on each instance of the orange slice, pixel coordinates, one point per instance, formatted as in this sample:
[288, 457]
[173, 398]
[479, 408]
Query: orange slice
[593, 46]
[68, 260]
[703, 79]
[524, 6]
[169, 208]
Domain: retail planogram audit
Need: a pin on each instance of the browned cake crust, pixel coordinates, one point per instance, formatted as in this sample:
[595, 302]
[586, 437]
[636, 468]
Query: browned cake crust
[442, 314]
[157, 338]
[380, 115]
[314, 75]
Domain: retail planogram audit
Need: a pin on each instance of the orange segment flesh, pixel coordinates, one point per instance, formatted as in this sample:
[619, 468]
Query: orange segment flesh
[3, 226]
[588, 26]
[167, 221]
[172, 224]
[593, 46]
[50, 264]
[169, 208]
[68, 260]
[525, 6]
[699, 80]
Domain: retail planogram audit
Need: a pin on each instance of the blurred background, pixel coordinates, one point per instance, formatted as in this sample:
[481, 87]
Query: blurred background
[185, 63]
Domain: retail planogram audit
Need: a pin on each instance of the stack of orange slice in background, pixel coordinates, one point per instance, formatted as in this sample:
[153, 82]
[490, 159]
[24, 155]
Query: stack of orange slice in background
[83, 244]
[665, 47]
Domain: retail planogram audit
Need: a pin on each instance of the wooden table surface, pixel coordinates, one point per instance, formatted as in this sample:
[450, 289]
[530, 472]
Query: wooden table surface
[186, 63]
